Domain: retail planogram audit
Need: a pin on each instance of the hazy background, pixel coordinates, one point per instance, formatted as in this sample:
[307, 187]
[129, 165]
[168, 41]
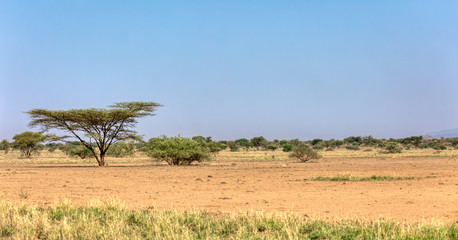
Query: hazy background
[233, 69]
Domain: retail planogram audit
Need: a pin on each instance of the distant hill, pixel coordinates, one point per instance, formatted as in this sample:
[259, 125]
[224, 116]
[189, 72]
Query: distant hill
[448, 133]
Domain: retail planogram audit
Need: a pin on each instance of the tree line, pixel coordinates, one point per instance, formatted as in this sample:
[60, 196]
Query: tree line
[109, 132]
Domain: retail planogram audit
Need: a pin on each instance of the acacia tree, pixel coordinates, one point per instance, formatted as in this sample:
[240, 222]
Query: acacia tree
[28, 143]
[258, 142]
[101, 126]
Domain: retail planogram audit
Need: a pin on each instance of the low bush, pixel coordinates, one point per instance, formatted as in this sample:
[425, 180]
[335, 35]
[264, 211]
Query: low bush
[393, 147]
[233, 146]
[304, 153]
[352, 147]
[272, 147]
[215, 147]
[177, 150]
[287, 147]
[77, 149]
[121, 149]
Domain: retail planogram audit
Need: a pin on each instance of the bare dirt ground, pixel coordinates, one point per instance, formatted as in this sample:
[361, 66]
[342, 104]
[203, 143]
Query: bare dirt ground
[249, 182]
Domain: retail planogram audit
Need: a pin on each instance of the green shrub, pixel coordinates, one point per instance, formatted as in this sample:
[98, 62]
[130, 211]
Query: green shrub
[282, 142]
[304, 153]
[233, 146]
[272, 147]
[433, 145]
[393, 147]
[223, 144]
[244, 143]
[316, 141]
[259, 142]
[53, 146]
[353, 140]
[319, 146]
[438, 147]
[215, 147]
[295, 142]
[121, 149]
[287, 147]
[176, 150]
[352, 147]
[76, 148]
[336, 143]
[5, 146]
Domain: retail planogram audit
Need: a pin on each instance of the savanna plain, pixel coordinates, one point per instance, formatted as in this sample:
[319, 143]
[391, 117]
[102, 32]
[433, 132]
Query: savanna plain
[247, 194]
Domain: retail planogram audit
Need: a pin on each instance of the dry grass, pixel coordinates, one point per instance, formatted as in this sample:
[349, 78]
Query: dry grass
[112, 220]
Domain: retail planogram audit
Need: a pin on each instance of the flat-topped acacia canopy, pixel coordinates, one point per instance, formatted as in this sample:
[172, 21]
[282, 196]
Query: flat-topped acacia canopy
[103, 126]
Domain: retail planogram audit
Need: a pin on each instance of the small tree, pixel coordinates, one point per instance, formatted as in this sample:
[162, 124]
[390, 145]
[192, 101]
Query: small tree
[5, 146]
[304, 153]
[295, 142]
[233, 146]
[102, 126]
[176, 150]
[28, 143]
[244, 143]
[258, 142]
[416, 140]
[316, 141]
[454, 142]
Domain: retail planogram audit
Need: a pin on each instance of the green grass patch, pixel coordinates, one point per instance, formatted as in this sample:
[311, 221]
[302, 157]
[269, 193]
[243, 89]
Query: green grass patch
[111, 220]
[356, 178]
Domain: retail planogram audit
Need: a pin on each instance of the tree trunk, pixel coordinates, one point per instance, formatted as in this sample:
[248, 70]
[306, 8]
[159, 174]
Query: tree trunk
[101, 160]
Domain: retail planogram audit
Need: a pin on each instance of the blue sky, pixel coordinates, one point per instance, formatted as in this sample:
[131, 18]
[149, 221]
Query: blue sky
[233, 69]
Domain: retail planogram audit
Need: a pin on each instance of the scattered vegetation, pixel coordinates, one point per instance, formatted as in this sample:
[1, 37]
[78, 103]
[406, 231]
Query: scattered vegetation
[111, 220]
[356, 178]
[352, 147]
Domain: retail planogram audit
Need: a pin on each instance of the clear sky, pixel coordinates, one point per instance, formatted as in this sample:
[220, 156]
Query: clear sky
[233, 69]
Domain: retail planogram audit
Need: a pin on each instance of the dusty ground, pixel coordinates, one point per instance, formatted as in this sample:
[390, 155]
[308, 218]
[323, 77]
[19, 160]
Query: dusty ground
[246, 182]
